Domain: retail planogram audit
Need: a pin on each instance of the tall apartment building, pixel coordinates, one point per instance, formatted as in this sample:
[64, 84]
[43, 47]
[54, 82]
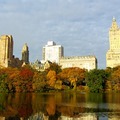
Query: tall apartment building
[25, 53]
[6, 50]
[52, 52]
[113, 54]
[7, 58]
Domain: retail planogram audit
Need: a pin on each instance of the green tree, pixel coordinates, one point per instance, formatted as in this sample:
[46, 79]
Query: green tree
[95, 80]
[115, 78]
[3, 84]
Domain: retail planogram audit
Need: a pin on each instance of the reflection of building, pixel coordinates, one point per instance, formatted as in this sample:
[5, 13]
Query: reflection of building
[6, 52]
[11, 118]
[87, 62]
[39, 116]
[52, 52]
[113, 117]
[113, 54]
[82, 117]
[25, 53]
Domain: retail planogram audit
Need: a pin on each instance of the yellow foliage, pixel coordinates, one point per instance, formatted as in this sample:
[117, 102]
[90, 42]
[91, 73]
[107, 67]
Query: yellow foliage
[58, 84]
[51, 77]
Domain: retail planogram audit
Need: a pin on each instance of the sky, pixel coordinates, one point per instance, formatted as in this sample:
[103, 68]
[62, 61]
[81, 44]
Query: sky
[80, 26]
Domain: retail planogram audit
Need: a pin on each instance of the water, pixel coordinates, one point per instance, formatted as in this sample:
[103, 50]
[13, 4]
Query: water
[60, 106]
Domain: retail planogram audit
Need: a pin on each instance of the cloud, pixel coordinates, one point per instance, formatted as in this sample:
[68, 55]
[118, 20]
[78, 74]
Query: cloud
[80, 26]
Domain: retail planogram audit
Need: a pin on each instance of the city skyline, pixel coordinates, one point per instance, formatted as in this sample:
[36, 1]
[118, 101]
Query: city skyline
[81, 27]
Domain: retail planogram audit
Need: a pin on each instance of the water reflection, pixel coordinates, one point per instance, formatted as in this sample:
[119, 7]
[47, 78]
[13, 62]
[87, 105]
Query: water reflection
[59, 106]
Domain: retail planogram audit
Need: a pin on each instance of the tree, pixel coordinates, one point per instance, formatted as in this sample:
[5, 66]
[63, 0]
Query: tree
[26, 77]
[74, 75]
[12, 78]
[95, 80]
[109, 81]
[115, 77]
[39, 81]
[3, 85]
[51, 78]
[58, 85]
[55, 67]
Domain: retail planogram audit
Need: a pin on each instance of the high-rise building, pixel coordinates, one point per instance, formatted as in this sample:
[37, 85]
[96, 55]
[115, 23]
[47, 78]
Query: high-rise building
[25, 53]
[52, 52]
[6, 50]
[113, 54]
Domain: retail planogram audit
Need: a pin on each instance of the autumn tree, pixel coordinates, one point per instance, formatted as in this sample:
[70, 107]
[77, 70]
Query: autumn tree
[51, 78]
[115, 78]
[26, 77]
[12, 79]
[74, 75]
[39, 81]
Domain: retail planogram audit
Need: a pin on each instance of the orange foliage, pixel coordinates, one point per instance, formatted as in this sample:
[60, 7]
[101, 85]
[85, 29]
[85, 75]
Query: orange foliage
[51, 77]
[72, 74]
[12, 77]
[13, 74]
[26, 73]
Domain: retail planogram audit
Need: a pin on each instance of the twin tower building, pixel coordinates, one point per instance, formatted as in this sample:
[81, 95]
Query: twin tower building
[54, 53]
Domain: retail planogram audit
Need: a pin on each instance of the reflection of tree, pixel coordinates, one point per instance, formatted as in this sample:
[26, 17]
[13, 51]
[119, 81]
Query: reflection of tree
[38, 102]
[54, 105]
[51, 105]
[13, 118]
[17, 105]
[51, 108]
[94, 98]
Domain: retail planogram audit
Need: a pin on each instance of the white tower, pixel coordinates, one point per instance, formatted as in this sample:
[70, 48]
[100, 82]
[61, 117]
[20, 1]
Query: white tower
[52, 52]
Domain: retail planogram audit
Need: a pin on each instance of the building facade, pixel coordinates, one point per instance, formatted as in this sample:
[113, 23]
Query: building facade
[52, 52]
[84, 62]
[25, 54]
[113, 54]
[7, 58]
[6, 50]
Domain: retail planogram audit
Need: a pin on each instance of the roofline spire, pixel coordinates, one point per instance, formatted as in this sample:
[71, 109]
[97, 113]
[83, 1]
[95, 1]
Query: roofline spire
[114, 18]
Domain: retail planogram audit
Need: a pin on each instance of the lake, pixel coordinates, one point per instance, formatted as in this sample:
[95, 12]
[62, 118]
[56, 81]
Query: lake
[60, 106]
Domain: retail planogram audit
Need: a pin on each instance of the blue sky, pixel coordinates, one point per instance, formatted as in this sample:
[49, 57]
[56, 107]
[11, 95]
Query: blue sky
[80, 26]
